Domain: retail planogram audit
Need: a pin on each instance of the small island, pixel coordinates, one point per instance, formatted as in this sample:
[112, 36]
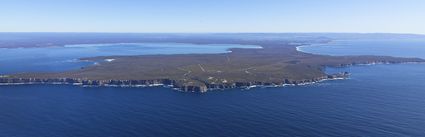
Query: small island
[276, 64]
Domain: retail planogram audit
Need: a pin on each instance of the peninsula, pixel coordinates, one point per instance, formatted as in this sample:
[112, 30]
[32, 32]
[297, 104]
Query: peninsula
[277, 63]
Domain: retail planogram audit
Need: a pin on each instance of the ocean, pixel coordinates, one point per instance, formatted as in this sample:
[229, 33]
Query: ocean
[377, 100]
[62, 58]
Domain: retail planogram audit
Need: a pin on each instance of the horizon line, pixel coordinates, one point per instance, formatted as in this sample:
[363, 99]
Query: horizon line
[406, 33]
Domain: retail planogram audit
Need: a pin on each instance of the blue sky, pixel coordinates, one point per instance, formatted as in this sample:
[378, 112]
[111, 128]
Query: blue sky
[394, 16]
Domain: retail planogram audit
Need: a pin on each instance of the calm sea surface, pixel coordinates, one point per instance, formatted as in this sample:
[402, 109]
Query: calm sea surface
[15, 60]
[392, 47]
[378, 100]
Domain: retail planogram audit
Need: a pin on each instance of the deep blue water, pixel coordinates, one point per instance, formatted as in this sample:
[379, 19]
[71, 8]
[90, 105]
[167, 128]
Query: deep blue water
[377, 100]
[48, 59]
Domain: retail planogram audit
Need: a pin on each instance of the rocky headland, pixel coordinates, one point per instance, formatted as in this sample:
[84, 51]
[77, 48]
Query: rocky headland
[276, 64]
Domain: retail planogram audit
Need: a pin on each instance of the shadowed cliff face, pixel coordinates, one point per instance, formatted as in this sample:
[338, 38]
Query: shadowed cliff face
[276, 63]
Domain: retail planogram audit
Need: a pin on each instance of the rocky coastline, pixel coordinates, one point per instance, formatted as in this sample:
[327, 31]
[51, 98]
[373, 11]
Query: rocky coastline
[277, 64]
[6, 80]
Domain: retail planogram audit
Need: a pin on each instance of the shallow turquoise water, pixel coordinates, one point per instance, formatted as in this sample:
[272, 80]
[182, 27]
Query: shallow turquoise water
[377, 100]
[15, 60]
[396, 47]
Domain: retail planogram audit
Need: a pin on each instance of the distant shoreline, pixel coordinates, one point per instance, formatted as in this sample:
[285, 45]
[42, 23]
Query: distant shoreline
[242, 68]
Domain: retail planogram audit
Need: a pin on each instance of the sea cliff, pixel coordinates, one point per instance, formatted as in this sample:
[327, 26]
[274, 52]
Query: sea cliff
[276, 64]
[204, 87]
